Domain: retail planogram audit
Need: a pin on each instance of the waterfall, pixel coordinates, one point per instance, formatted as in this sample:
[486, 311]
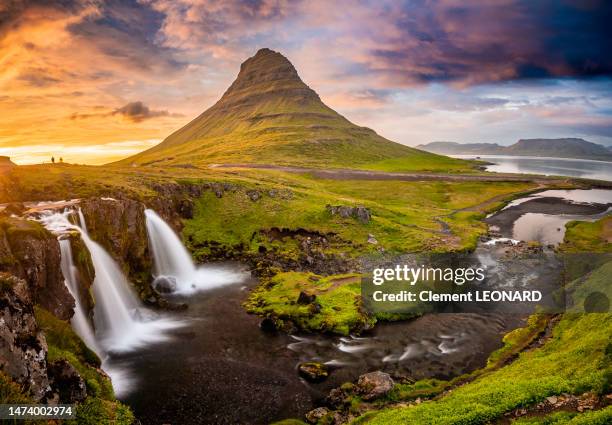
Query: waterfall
[170, 257]
[172, 260]
[121, 321]
[80, 322]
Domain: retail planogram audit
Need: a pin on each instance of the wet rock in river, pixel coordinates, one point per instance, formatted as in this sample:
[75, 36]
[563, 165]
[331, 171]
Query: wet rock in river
[313, 371]
[374, 385]
[164, 284]
[267, 325]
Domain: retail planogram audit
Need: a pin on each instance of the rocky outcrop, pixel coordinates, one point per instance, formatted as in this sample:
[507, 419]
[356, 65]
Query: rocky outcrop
[29, 251]
[362, 214]
[67, 382]
[23, 348]
[176, 200]
[6, 164]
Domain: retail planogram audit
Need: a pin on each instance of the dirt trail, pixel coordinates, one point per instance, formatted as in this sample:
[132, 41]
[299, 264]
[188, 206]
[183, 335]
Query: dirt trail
[346, 174]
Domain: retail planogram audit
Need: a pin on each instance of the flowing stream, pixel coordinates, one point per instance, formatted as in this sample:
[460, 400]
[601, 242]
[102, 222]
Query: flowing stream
[80, 321]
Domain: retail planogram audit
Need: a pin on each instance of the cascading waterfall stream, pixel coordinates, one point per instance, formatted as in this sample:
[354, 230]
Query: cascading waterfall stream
[171, 259]
[80, 322]
[121, 322]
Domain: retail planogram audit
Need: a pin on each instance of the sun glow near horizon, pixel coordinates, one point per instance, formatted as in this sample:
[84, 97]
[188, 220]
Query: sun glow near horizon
[95, 154]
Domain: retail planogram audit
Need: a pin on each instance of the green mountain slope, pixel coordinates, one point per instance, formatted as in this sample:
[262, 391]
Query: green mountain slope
[269, 116]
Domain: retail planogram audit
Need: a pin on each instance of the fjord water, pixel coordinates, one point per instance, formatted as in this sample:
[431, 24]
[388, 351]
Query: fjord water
[584, 168]
[171, 259]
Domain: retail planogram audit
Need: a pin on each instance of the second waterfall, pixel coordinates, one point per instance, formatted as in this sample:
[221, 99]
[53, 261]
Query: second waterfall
[172, 261]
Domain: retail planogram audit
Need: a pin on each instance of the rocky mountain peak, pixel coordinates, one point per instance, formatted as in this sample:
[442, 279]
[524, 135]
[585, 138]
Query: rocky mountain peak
[264, 68]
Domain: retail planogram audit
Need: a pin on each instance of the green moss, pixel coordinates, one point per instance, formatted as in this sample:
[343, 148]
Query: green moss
[59, 334]
[338, 296]
[598, 417]
[518, 339]
[10, 392]
[96, 411]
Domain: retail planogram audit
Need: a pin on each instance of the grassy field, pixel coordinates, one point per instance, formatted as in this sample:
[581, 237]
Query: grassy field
[584, 236]
[406, 216]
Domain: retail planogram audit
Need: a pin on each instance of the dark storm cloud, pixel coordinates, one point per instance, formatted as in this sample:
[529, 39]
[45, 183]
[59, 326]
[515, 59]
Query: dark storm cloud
[473, 41]
[138, 111]
[134, 111]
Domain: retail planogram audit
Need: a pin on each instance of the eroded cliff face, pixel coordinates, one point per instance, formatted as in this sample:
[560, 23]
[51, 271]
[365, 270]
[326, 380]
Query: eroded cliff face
[119, 226]
[29, 251]
[23, 348]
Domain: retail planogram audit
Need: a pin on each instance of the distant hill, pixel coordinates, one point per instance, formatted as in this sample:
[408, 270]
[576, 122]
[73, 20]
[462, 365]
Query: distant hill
[6, 163]
[269, 116]
[558, 148]
[454, 148]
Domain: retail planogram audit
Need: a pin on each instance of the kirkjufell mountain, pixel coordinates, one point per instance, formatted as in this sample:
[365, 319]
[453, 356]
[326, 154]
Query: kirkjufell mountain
[270, 116]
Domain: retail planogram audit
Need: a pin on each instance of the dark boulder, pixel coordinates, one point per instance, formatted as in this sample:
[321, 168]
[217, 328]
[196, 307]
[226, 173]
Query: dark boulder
[267, 325]
[306, 298]
[14, 208]
[164, 284]
[374, 385]
[313, 371]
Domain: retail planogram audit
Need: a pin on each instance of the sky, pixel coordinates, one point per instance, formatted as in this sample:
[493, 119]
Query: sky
[92, 81]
